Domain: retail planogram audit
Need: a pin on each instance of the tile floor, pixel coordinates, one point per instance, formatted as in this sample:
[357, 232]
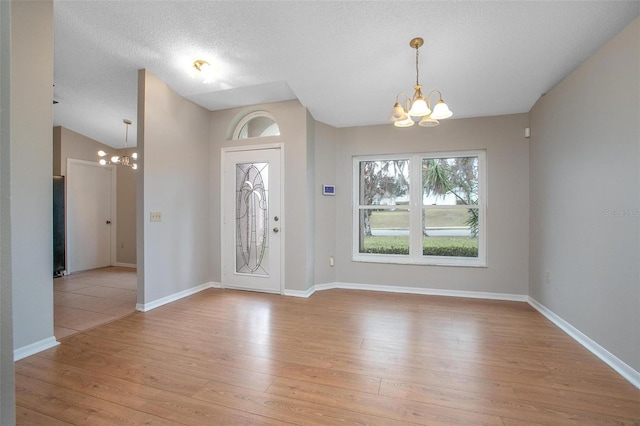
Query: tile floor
[86, 299]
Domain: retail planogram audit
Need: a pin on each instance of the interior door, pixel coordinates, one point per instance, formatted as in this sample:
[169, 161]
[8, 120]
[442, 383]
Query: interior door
[252, 223]
[89, 215]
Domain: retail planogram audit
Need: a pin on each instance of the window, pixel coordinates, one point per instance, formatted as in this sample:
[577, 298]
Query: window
[420, 209]
[255, 125]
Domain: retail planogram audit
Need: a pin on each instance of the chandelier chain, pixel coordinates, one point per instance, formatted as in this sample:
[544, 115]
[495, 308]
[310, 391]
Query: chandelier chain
[417, 68]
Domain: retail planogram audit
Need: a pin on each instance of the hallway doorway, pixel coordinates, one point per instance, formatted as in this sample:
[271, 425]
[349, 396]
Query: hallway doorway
[91, 215]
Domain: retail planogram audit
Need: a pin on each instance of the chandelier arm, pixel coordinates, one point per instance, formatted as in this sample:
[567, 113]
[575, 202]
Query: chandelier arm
[406, 97]
[435, 91]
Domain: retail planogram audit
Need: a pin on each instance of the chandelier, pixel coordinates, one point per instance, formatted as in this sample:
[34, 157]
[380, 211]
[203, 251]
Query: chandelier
[122, 160]
[418, 106]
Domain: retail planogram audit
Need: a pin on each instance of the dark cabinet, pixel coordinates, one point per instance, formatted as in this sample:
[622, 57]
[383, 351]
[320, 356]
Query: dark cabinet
[58, 226]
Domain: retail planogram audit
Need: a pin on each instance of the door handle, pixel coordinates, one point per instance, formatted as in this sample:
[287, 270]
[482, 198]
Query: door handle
[276, 230]
[108, 222]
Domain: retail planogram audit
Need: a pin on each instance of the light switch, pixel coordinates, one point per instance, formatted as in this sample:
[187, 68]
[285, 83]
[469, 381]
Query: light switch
[155, 216]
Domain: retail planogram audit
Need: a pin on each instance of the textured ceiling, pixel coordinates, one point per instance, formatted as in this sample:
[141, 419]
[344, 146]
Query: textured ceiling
[344, 60]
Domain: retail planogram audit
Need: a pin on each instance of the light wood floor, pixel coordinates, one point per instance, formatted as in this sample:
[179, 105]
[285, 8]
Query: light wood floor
[224, 357]
[83, 300]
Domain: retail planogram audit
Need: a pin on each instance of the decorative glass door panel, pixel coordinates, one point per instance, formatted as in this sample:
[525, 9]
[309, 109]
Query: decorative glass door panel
[252, 218]
[252, 222]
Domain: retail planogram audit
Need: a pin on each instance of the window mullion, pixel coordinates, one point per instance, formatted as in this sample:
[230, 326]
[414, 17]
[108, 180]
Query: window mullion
[415, 214]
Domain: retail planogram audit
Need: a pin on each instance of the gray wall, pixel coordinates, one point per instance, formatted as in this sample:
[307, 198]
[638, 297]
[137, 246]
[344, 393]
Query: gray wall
[7, 398]
[325, 148]
[507, 202]
[585, 193]
[31, 171]
[174, 146]
[291, 117]
[310, 199]
[69, 144]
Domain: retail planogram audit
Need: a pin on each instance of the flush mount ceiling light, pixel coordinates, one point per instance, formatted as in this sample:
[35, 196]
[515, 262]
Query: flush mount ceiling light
[203, 69]
[418, 106]
[122, 160]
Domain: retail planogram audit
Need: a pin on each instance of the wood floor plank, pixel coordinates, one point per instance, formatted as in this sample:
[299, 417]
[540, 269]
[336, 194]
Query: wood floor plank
[608, 405]
[180, 361]
[169, 406]
[28, 417]
[594, 370]
[338, 357]
[89, 382]
[292, 410]
[258, 364]
[189, 411]
[76, 407]
[131, 370]
[550, 414]
[376, 405]
[515, 422]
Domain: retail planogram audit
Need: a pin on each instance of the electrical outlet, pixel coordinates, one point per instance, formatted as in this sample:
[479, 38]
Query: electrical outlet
[155, 216]
[547, 277]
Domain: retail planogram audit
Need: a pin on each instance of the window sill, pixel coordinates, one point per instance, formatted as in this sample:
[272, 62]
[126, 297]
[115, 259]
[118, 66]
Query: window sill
[430, 261]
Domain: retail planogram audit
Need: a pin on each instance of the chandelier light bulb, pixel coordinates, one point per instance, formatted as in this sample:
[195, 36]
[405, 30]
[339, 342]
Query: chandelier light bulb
[101, 153]
[103, 162]
[419, 108]
[441, 111]
[134, 166]
[115, 159]
[428, 121]
[408, 122]
[398, 113]
[134, 155]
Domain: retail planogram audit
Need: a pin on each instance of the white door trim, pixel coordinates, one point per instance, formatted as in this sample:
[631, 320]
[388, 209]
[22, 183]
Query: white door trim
[223, 152]
[112, 202]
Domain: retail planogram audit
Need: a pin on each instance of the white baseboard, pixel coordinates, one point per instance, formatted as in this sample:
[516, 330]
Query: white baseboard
[125, 265]
[614, 362]
[434, 292]
[300, 293]
[34, 348]
[409, 290]
[144, 307]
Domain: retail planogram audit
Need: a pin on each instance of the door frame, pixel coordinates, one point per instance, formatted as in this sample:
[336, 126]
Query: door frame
[112, 207]
[223, 152]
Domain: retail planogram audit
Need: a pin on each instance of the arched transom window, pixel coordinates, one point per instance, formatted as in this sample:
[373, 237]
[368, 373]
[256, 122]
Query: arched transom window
[257, 124]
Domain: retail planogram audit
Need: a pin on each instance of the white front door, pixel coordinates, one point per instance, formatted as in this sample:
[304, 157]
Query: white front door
[90, 218]
[252, 223]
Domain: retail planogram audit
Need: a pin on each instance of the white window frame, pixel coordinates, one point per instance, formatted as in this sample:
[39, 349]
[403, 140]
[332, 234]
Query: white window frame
[415, 255]
[247, 118]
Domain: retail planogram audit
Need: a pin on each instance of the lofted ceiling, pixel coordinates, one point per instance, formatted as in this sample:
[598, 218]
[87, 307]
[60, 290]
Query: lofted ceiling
[344, 60]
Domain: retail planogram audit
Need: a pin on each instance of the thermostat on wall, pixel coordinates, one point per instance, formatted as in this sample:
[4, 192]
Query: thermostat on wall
[328, 190]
